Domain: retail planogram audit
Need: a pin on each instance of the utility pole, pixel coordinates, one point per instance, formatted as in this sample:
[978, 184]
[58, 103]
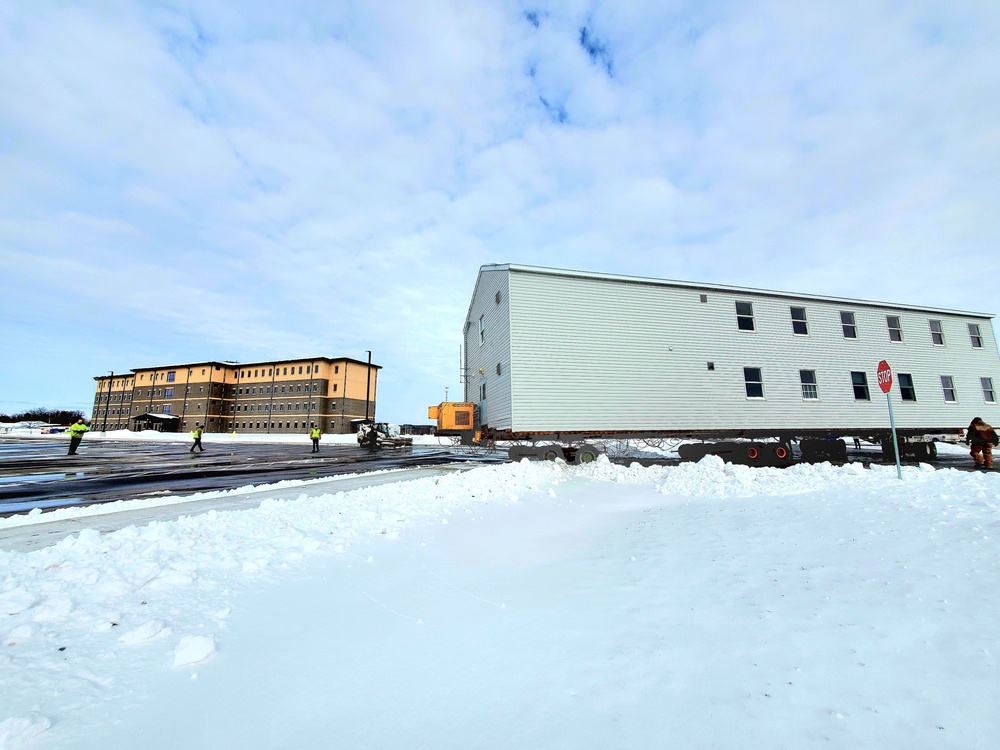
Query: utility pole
[368, 389]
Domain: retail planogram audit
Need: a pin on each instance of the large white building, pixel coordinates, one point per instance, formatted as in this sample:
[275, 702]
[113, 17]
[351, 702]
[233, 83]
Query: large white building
[550, 350]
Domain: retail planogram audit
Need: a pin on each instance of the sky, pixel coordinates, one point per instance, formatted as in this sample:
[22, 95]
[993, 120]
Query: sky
[183, 181]
[529, 604]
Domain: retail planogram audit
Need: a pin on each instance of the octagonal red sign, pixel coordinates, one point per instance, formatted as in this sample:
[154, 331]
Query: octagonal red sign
[884, 376]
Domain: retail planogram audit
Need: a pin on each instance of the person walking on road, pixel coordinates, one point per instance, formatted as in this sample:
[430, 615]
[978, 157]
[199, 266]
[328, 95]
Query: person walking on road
[981, 438]
[196, 434]
[76, 433]
[315, 433]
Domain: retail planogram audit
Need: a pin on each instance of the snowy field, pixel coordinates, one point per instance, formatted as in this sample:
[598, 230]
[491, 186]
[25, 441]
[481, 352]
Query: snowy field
[529, 605]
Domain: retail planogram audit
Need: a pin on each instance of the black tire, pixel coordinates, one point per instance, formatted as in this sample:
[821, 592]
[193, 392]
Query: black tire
[585, 454]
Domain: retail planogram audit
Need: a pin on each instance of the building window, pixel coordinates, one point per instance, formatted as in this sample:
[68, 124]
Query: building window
[906, 390]
[948, 386]
[710, 365]
[850, 326]
[744, 316]
[988, 395]
[168, 392]
[166, 409]
[300, 369]
[171, 376]
[482, 391]
[860, 382]
[703, 297]
[482, 330]
[975, 336]
[895, 327]
[336, 369]
[334, 387]
[807, 378]
[800, 327]
[937, 333]
[202, 370]
[754, 382]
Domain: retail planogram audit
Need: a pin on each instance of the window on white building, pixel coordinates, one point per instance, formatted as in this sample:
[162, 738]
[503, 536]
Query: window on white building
[895, 327]
[948, 387]
[937, 332]
[849, 325]
[860, 382]
[975, 336]
[744, 316]
[800, 327]
[753, 379]
[810, 389]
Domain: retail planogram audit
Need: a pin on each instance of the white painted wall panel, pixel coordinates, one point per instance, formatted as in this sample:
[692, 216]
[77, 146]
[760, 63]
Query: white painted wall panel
[591, 353]
[483, 357]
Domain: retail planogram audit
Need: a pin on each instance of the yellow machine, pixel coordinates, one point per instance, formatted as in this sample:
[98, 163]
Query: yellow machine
[454, 418]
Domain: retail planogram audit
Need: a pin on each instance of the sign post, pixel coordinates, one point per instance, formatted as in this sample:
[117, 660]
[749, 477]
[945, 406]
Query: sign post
[884, 376]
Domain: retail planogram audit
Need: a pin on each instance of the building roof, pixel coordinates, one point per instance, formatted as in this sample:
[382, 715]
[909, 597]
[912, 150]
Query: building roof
[151, 415]
[696, 286]
[238, 365]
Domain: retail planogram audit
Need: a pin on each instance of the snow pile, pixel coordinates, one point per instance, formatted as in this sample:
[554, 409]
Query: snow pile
[575, 606]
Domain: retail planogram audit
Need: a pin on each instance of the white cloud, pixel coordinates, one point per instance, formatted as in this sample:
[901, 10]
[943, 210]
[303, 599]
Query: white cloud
[255, 181]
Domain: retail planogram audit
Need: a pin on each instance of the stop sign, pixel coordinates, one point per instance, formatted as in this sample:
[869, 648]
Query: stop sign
[884, 376]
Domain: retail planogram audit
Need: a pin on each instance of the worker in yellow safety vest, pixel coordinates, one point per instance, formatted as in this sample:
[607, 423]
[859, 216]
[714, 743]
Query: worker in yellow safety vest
[314, 433]
[196, 434]
[76, 433]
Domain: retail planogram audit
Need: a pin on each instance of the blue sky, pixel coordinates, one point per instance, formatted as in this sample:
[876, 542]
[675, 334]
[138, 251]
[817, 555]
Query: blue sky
[250, 181]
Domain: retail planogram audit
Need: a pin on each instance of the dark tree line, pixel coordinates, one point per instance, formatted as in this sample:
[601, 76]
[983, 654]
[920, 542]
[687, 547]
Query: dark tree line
[49, 416]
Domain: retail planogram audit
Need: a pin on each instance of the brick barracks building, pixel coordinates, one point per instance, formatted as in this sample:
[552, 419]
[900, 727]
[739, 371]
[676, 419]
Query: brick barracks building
[261, 397]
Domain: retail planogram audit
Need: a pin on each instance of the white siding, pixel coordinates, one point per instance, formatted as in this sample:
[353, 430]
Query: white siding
[588, 353]
[482, 358]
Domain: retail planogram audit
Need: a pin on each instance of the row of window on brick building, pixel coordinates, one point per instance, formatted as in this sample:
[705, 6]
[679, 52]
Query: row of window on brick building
[259, 373]
[233, 408]
[169, 392]
[745, 321]
[753, 378]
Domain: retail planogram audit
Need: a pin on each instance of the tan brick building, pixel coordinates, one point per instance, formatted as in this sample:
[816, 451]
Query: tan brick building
[277, 397]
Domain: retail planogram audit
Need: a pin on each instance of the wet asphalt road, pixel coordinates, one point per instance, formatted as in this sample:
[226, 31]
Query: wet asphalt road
[39, 473]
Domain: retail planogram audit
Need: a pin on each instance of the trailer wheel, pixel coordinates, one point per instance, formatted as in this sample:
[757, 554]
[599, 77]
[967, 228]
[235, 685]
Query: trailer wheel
[781, 452]
[585, 454]
[550, 453]
[753, 453]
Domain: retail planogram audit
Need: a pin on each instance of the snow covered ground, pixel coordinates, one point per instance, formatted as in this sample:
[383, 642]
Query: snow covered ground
[529, 605]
